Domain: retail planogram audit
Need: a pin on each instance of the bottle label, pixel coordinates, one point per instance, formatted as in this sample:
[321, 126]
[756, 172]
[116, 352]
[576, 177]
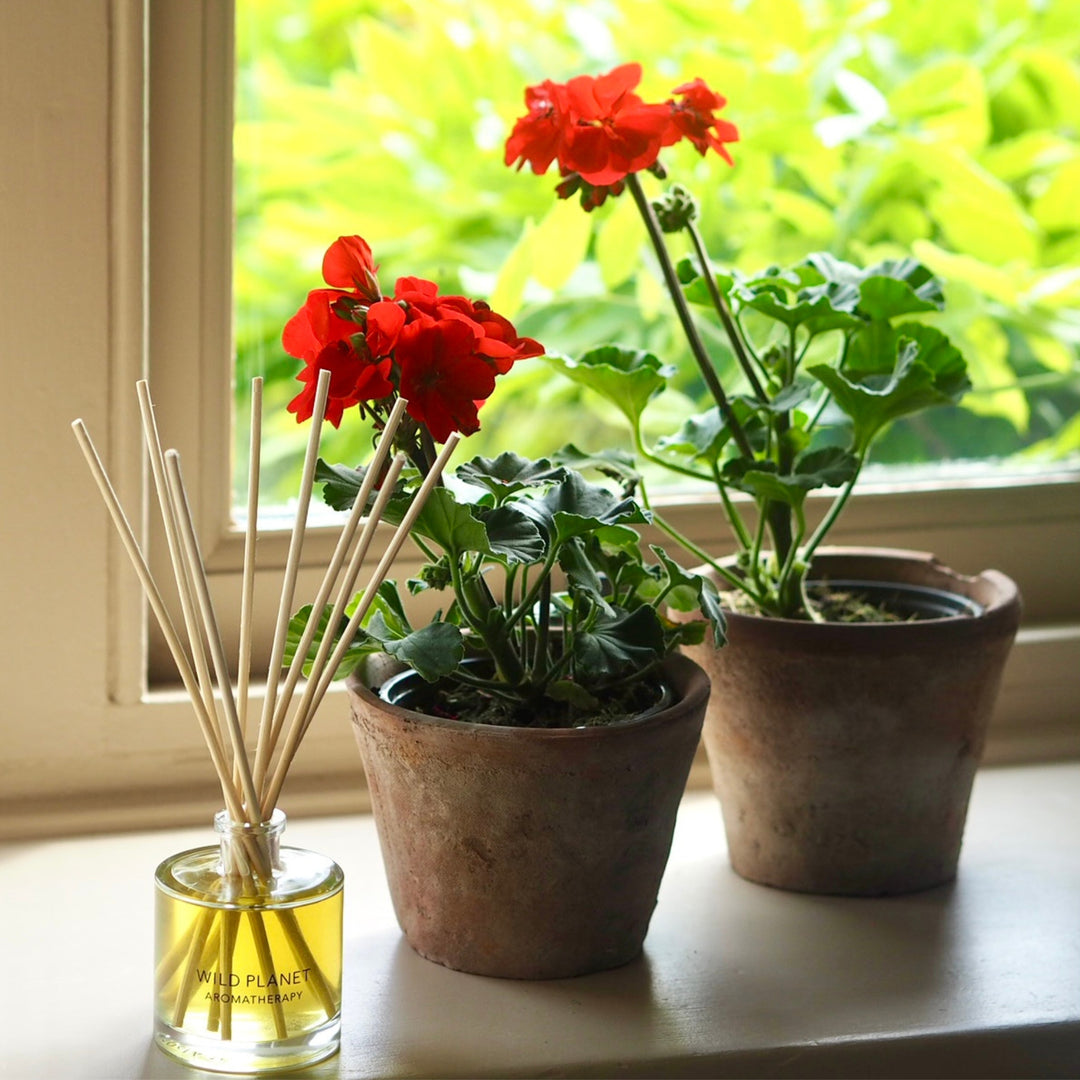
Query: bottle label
[238, 988]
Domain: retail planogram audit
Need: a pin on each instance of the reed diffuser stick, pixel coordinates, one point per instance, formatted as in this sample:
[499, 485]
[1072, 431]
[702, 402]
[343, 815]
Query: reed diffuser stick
[305, 708]
[251, 532]
[395, 545]
[345, 539]
[288, 585]
[184, 585]
[213, 633]
[207, 723]
[322, 678]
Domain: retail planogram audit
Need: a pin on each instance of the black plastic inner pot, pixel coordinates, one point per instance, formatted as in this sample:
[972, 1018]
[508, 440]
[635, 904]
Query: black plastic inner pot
[408, 690]
[906, 601]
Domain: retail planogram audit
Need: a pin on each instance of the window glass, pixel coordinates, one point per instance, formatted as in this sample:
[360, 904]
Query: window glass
[947, 131]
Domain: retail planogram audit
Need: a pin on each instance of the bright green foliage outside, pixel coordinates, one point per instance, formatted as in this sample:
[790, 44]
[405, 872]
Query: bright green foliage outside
[947, 132]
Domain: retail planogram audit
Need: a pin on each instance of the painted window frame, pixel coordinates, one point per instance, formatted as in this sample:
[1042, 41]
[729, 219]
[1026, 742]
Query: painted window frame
[150, 84]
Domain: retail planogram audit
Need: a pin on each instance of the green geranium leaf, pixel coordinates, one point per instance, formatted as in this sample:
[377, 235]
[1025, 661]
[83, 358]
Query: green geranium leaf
[579, 568]
[705, 435]
[872, 351]
[618, 465]
[886, 298]
[818, 308]
[512, 534]
[790, 397]
[628, 378]
[341, 484]
[928, 371]
[507, 474]
[696, 287]
[692, 592]
[620, 641]
[826, 268]
[575, 507]
[451, 525]
[433, 651]
[675, 574]
[341, 487]
[883, 291]
[831, 466]
[765, 483]
[828, 467]
[701, 436]
[617, 538]
[360, 646]
[388, 606]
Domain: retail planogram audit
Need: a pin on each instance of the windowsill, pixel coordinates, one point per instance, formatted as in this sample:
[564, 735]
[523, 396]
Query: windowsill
[980, 978]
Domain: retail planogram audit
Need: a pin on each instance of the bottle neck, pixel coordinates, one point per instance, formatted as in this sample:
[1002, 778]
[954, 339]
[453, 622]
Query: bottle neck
[250, 854]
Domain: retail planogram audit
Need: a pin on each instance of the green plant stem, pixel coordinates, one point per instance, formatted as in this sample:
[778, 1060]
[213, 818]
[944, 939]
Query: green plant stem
[779, 513]
[789, 605]
[821, 405]
[755, 547]
[734, 518]
[724, 311]
[671, 466]
[497, 642]
[427, 552]
[508, 588]
[492, 686]
[744, 337]
[733, 580]
[693, 338]
[543, 627]
[832, 513]
[529, 599]
[430, 454]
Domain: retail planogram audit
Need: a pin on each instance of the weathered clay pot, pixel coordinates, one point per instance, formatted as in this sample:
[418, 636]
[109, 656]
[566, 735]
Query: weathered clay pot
[527, 853]
[843, 755]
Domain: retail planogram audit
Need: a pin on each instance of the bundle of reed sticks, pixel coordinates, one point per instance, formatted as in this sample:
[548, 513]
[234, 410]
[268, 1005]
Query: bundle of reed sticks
[251, 778]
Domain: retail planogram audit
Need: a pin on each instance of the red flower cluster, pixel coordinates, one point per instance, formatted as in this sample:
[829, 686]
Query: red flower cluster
[440, 353]
[600, 131]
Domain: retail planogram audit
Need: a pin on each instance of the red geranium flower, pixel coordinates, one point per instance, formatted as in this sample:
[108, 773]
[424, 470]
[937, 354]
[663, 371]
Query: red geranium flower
[500, 342]
[692, 118]
[496, 336]
[537, 136]
[316, 325]
[417, 293]
[348, 265]
[442, 375]
[353, 378]
[599, 131]
[442, 353]
[613, 132]
[384, 322]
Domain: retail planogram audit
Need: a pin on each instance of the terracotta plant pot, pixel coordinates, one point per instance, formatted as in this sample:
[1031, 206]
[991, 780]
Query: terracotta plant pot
[528, 853]
[843, 755]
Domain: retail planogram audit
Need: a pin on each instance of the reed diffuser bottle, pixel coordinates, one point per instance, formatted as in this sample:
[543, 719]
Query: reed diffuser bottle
[248, 950]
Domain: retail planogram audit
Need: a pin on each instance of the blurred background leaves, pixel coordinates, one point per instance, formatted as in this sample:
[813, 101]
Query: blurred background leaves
[870, 129]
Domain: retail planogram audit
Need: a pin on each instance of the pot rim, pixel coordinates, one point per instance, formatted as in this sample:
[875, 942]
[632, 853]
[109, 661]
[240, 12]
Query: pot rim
[687, 680]
[997, 594]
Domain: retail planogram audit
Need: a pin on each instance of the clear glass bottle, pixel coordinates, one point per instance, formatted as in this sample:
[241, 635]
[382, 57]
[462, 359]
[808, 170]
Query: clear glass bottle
[248, 952]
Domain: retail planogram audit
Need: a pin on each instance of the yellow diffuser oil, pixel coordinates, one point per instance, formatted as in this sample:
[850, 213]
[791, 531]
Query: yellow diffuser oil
[248, 951]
